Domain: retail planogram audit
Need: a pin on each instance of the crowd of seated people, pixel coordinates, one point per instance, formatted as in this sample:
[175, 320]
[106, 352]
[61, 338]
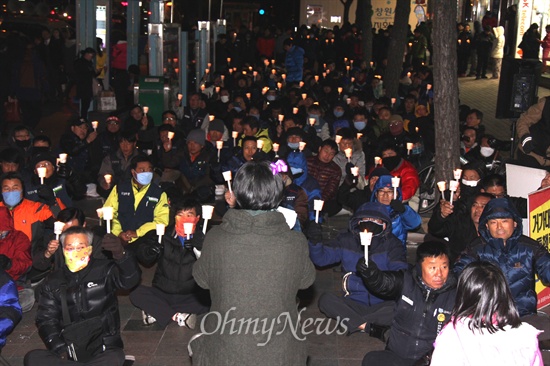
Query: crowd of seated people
[325, 126]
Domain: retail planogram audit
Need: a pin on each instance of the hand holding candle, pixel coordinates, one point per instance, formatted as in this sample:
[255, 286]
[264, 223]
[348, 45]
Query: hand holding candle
[160, 231]
[318, 206]
[207, 212]
[366, 239]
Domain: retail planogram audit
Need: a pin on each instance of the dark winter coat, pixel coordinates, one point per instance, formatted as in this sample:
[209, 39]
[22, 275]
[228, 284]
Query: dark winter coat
[519, 259]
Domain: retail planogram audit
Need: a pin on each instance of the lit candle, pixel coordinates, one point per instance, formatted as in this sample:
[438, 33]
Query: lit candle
[337, 139]
[457, 173]
[453, 186]
[409, 74]
[160, 231]
[188, 229]
[295, 110]
[108, 178]
[442, 187]
[207, 211]
[234, 134]
[304, 96]
[94, 125]
[180, 96]
[108, 216]
[348, 100]
[219, 146]
[63, 158]
[377, 160]
[281, 118]
[260, 144]
[355, 171]
[302, 145]
[99, 212]
[283, 76]
[229, 60]
[340, 90]
[255, 73]
[41, 173]
[395, 183]
[248, 96]
[312, 121]
[316, 77]
[206, 71]
[170, 135]
[393, 100]
[145, 110]
[217, 89]
[317, 206]
[211, 117]
[409, 147]
[58, 228]
[276, 148]
[301, 84]
[227, 177]
[366, 239]
[428, 87]
[348, 153]
[279, 85]
[359, 135]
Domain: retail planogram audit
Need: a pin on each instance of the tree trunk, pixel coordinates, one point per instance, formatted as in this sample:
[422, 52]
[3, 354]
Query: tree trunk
[363, 19]
[347, 6]
[397, 47]
[447, 144]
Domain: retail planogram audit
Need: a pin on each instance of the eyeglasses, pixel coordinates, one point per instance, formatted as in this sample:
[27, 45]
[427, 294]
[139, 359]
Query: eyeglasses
[384, 193]
[169, 119]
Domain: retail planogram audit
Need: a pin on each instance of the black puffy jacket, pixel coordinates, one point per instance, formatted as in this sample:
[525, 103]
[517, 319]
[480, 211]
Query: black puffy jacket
[174, 274]
[420, 313]
[91, 292]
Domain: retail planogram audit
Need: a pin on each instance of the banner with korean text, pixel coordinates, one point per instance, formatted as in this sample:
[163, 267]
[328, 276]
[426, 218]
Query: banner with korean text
[539, 230]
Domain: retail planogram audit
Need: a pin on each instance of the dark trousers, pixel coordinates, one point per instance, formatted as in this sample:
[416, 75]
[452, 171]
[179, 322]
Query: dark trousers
[335, 306]
[84, 106]
[162, 306]
[386, 358]
[482, 63]
[43, 357]
[332, 207]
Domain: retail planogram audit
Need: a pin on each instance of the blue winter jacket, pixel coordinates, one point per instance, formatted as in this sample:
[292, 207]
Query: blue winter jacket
[297, 160]
[10, 310]
[519, 259]
[401, 223]
[385, 250]
[294, 64]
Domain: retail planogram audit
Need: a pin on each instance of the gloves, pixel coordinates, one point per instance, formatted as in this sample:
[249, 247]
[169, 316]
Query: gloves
[46, 194]
[397, 206]
[527, 143]
[64, 171]
[112, 244]
[196, 241]
[366, 271]
[5, 262]
[314, 232]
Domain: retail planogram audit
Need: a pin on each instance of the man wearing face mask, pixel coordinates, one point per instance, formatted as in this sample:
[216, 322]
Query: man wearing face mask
[88, 287]
[21, 139]
[298, 167]
[358, 305]
[294, 135]
[138, 204]
[399, 167]
[315, 114]
[483, 153]
[175, 295]
[28, 216]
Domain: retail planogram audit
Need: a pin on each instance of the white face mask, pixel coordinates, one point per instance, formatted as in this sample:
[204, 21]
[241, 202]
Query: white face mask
[224, 98]
[486, 151]
[470, 183]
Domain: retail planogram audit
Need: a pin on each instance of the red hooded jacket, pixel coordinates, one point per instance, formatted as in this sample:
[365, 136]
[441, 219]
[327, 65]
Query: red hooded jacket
[16, 246]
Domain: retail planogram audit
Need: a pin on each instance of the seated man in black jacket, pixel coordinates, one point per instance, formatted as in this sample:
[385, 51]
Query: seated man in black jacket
[424, 294]
[88, 287]
[175, 296]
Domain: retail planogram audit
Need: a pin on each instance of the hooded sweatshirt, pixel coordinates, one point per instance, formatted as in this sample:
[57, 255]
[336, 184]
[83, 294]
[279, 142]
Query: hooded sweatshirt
[298, 164]
[401, 222]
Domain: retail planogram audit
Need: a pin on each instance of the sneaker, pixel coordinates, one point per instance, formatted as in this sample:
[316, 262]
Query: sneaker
[147, 319]
[185, 320]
